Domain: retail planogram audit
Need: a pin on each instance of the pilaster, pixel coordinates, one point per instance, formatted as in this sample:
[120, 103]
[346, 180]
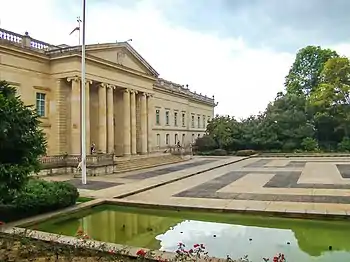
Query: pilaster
[126, 133]
[143, 123]
[75, 116]
[133, 121]
[110, 116]
[102, 118]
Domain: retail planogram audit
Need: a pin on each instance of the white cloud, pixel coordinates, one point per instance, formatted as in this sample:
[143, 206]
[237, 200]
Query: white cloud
[242, 79]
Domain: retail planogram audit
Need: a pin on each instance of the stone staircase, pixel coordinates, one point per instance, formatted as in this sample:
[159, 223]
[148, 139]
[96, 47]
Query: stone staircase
[132, 164]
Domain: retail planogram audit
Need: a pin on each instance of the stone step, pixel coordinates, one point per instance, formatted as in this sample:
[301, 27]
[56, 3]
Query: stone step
[143, 163]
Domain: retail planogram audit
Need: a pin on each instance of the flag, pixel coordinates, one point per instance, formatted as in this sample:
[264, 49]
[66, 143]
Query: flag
[75, 29]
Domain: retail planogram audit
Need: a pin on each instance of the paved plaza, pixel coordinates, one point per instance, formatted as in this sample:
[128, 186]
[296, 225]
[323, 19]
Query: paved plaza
[295, 185]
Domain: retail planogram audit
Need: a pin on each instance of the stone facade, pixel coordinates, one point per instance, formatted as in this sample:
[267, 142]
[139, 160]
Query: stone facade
[129, 109]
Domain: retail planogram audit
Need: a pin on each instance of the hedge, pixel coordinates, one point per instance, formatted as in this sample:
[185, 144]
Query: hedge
[38, 197]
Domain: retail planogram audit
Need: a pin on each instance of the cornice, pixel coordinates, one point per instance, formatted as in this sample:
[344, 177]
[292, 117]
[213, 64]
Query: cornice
[21, 51]
[106, 63]
[182, 95]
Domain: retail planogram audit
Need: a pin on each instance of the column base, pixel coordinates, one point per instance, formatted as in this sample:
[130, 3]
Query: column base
[126, 154]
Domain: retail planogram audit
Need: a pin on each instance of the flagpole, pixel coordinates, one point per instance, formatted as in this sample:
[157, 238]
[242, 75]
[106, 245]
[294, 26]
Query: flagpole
[83, 112]
[79, 21]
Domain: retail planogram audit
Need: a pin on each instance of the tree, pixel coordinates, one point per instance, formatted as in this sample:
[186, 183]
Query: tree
[21, 142]
[333, 93]
[304, 75]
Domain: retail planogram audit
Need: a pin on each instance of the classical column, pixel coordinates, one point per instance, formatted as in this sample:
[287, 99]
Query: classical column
[110, 116]
[102, 118]
[87, 115]
[133, 121]
[150, 113]
[143, 123]
[75, 116]
[126, 133]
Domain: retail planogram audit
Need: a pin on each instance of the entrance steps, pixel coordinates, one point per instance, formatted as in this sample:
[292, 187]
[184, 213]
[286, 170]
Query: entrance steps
[141, 162]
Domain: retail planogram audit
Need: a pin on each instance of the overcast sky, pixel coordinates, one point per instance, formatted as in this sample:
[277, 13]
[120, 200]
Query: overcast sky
[237, 50]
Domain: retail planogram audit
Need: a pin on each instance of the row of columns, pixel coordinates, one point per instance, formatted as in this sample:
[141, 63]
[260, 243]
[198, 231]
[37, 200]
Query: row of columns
[130, 132]
[106, 119]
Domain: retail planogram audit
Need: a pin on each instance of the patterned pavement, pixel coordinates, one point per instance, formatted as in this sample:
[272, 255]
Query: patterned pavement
[308, 185]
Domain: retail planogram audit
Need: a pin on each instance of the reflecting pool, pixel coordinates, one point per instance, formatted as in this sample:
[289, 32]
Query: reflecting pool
[222, 234]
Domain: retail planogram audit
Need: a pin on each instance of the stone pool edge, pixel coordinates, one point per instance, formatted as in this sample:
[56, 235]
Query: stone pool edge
[17, 227]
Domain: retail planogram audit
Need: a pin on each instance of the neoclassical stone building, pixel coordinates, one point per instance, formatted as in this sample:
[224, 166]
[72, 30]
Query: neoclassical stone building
[129, 109]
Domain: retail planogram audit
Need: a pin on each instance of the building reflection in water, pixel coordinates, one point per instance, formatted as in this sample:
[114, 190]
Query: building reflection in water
[127, 228]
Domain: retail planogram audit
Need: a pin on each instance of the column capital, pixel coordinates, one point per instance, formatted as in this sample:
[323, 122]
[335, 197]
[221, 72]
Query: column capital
[111, 86]
[149, 95]
[73, 78]
[88, 81]
[132, 91]
[143, 94]
[126, 90]
[103, 85]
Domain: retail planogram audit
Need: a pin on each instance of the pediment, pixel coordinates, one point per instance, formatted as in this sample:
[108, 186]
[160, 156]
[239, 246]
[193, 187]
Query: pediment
[123, 55]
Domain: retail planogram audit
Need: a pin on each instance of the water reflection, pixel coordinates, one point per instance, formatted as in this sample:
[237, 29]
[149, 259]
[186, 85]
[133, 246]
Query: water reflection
[237, 241]
[300, 240]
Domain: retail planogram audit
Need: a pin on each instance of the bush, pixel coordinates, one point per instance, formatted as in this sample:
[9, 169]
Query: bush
[38, 197]
[219, 152]
[21, 142]
[309, 144]
[205, 143]
[247, 152]
[344, 145]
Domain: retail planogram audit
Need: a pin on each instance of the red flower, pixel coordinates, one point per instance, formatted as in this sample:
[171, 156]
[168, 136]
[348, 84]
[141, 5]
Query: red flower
[141, 253]
[111, 251]
[2, 223]
[190, 251]
[196, 245]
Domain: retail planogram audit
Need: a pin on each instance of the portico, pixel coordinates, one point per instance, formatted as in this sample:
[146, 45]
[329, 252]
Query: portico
[102, 103]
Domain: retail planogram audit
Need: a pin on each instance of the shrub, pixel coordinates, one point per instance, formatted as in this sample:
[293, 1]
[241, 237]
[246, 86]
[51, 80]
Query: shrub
[247, 152]
[309, 144]
[344, 145]
[38, 197]
[205, 143]
[219, 152]
[21, 142]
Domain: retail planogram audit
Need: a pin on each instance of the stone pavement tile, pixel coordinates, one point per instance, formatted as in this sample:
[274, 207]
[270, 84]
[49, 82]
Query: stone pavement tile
[219, 204]
[248, 205]
[331, 192]
[288, 207]
[335, 209]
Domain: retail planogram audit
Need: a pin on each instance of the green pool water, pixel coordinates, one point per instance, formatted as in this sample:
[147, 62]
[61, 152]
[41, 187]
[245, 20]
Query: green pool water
[223, 234]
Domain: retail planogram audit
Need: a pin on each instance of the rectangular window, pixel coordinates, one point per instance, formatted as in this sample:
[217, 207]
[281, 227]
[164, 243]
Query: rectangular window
[204, 122]
[40, 104]
[183, 139]
[183, 119]
[192, 121]
[158, 140]
[167, 117]
[157, 117]
[175, 118]
[167, 138]
[199, 121]
[176, 139]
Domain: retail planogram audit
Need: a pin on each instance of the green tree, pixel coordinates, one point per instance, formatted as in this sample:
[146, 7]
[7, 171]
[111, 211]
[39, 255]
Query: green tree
[21, 142]
[333, 93]
[304, 75]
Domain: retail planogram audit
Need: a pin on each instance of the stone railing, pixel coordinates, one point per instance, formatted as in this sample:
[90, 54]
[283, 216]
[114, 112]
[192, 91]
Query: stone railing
[168, 85]
[24, 41]
[73, 161]
[175, 150]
